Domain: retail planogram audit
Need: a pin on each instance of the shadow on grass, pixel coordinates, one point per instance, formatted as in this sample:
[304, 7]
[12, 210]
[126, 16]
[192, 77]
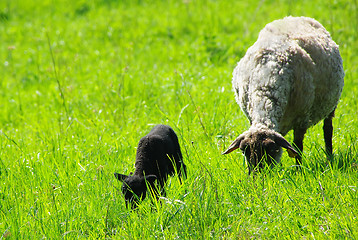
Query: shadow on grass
[343, 161]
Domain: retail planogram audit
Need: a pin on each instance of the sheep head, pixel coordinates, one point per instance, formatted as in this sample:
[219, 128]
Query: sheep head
[134, 187]
[261, 147]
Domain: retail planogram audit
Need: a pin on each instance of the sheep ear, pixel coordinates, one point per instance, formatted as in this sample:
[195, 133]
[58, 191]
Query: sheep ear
[120, 177]
[150, 178]
[235, 144]
[281, 141]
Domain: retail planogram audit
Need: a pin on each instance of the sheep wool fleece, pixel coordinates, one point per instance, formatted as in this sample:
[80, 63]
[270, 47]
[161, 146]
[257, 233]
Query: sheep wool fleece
[291, 77]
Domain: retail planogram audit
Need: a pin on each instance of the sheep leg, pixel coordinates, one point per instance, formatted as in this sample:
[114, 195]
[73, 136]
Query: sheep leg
[328, 133]
[182, 173]
[162, 191]
[298, 135]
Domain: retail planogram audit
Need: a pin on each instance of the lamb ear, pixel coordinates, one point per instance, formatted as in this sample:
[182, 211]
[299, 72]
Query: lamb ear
[281, 141]
[235, 144]
[120, 177]
[150, 178]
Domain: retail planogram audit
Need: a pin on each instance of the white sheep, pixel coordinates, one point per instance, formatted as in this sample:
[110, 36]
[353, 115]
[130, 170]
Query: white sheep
[291, 78]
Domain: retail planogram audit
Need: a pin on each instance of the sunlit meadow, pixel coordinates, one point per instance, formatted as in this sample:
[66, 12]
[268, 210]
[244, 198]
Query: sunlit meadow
[82, 81]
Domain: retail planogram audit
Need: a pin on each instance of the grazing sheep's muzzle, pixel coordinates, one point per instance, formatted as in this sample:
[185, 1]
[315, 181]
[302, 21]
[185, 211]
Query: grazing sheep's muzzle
[258, 157]
[261, 147]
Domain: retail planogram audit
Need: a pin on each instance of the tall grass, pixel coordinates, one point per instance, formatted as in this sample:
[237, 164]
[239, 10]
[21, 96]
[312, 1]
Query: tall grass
[82, 81]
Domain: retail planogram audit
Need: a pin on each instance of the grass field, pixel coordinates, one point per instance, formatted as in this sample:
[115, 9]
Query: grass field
[82, 81]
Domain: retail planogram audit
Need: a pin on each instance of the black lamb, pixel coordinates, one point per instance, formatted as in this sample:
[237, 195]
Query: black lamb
[158, 156]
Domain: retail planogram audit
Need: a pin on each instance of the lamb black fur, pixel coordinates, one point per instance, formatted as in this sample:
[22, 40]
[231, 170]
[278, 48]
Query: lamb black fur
[158, 156]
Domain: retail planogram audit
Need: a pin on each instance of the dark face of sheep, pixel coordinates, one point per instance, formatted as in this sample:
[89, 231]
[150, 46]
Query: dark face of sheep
[260, 151]
[134, 187]
[261, 148]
